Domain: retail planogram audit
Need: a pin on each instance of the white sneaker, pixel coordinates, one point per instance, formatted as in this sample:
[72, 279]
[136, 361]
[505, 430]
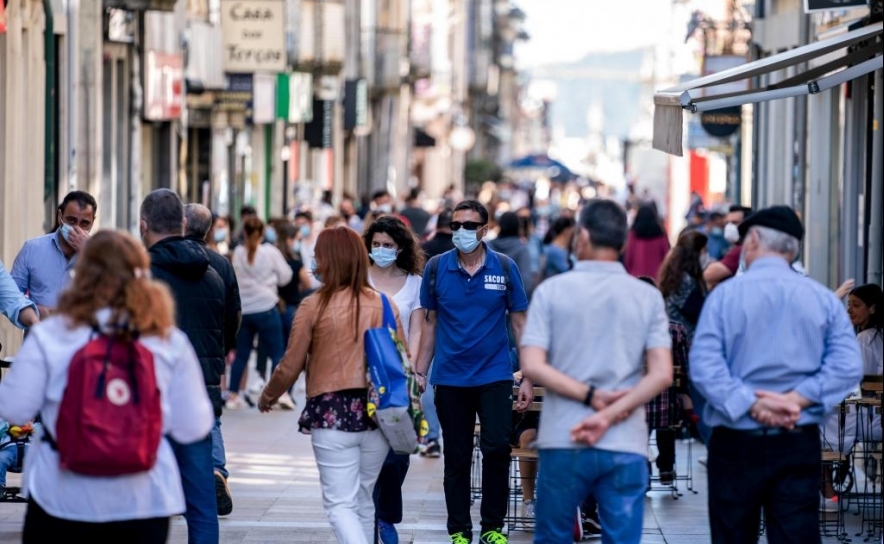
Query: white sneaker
[235, 402]
[256, 388]
[527, 515]
[285, 402]
[828, 505]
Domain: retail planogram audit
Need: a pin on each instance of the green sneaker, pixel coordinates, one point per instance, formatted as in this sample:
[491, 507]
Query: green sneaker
[459, 538]
[493, 537]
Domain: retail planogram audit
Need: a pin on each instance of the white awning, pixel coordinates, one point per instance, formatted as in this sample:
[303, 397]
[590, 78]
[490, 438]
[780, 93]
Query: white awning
[696, 95]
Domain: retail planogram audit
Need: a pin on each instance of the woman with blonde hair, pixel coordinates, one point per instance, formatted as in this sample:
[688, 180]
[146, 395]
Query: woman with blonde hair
[327, 343]
[260, 271]
[111, 293]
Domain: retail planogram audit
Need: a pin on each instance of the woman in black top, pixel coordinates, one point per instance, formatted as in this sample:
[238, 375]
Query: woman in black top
[290, 294]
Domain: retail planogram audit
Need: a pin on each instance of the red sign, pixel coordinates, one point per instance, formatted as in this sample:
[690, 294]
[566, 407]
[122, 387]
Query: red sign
[163, 83]
[2, 16]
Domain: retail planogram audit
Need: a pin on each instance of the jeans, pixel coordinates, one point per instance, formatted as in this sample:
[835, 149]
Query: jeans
[268, 326]
[777, 473]
[388, 490]
[219, 460]
[457, 408]
[8, 458]
[567, 476]
[198, 481]
[349, 465]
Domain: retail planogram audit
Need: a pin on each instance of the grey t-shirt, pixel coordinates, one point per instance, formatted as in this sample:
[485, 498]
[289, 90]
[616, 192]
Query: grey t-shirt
[595, 323]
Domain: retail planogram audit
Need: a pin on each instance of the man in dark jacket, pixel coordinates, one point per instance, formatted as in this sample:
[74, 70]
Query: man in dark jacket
[199, 294]
[442, 237]
[198, 221]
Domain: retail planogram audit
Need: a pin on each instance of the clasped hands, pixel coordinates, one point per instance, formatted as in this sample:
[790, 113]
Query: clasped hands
[593, 428]
[776, 409]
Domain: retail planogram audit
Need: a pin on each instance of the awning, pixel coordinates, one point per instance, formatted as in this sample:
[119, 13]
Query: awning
[696, 95]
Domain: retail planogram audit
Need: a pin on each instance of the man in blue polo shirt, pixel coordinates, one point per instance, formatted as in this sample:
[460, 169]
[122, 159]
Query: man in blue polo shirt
[468, 294]
[43, 267]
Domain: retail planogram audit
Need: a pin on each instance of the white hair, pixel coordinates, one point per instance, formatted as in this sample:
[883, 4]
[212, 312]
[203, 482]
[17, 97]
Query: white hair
[776, 241]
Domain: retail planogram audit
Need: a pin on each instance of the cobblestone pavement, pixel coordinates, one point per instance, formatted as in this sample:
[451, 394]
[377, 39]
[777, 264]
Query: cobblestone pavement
[277, 499]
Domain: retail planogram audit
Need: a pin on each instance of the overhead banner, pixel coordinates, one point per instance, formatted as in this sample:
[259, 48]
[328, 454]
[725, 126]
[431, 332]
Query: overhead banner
[254, 35]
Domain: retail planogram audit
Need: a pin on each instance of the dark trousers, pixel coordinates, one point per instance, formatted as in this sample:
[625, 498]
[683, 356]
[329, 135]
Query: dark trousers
[778, 473]
[666, 449]
[388, 489]
[457, 408]
[40, 527]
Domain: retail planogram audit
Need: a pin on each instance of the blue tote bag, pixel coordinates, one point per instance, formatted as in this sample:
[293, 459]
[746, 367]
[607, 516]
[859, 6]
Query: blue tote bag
[393, 397]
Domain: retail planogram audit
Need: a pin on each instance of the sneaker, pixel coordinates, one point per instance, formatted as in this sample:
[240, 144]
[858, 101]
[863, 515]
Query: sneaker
[667, 477]
[256, 387]
[828, 505]
[527, 515]
[433, 450]
[387, 533]
[285, 402]
[222, 495]
[235, 402]
[591, 528]
[493, 537]
[460, 538]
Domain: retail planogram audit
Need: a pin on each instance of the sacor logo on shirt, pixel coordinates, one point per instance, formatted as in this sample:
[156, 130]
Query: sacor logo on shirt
[495, 283]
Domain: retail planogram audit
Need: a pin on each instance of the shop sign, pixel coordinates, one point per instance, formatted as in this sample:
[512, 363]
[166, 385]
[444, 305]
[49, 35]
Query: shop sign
[722, 123]
[830, 5]
[318, 132]
[236, 99]
[254, 35]
[264, 102]
[355, 104]
[163, 77]
[120, 25]
[300, 97]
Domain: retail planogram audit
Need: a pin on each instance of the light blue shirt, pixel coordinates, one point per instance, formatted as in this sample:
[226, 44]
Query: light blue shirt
[12, 302]
[41, 269]
[774, 330]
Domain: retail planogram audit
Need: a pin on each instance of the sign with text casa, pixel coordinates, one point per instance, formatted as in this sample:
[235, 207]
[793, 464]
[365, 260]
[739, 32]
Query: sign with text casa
[254, 35]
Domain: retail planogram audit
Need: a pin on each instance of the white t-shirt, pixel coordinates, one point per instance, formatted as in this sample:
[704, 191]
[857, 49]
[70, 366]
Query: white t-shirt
[871, 345]
[407, 300]
[260, 280]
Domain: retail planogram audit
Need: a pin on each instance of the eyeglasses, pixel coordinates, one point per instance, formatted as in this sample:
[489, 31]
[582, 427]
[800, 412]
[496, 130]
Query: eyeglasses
[469, 225]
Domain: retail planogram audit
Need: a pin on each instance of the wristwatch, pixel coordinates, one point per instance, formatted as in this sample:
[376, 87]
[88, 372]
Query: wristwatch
[587, 401]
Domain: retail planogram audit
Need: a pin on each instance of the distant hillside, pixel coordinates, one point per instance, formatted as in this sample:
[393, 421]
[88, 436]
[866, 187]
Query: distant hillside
[611, 80]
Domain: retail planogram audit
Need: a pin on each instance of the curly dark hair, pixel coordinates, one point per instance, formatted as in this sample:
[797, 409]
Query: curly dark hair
[682, 259]
[411, 257]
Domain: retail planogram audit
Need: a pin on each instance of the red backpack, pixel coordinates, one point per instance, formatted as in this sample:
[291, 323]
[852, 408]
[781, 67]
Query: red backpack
[110, 419]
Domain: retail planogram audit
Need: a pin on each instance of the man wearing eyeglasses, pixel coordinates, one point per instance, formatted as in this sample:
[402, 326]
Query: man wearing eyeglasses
[467, 294]
[44, 265]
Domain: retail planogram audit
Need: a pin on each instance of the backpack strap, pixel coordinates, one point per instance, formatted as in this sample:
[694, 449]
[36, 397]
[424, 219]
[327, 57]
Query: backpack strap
[432, 272]
[505, 265]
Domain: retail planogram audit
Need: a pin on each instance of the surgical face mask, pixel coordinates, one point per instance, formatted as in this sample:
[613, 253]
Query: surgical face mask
[66, 232]
[466, 241]
[704, 261]
[313, 270]
[270, 235]
[716, 231]
[385, 208]
[731, 233]
[305, 231]
[220, 235]
[384, 256]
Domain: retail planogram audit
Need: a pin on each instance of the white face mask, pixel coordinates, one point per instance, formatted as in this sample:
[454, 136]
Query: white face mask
[731, 233]
[704, 261]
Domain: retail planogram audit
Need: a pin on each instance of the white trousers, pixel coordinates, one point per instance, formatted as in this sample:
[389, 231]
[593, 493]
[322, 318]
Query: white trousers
[349, 465]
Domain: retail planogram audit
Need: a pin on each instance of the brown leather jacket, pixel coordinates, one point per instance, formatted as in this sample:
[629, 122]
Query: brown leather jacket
[328, 346]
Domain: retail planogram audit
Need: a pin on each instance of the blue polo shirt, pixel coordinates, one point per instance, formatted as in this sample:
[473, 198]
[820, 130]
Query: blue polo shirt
[472, 347]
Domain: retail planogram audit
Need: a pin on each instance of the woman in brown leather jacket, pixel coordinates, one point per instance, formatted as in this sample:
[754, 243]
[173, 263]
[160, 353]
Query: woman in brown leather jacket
[327, 342]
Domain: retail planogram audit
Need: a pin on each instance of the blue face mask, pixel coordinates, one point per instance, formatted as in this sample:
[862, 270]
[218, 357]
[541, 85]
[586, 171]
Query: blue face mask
[66, 232]
[384, 256]
[305, 231]
[466, 241]
[313, 270]
[270, 235]
[220, 235]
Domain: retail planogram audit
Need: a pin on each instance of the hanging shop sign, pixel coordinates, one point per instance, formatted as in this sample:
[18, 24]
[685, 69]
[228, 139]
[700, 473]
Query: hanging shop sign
[294, 97]
[722, 123]
[254, 35]
[355, 103]
[119, 25]
[318, 132]
[264, 102]
[829, 5]
[163, 77]
[236, 100]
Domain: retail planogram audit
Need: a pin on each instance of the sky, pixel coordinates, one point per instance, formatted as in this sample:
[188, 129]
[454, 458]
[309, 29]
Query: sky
[566, 30]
